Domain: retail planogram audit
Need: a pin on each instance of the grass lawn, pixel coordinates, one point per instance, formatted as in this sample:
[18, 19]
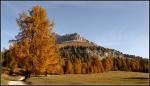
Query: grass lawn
[111, 77]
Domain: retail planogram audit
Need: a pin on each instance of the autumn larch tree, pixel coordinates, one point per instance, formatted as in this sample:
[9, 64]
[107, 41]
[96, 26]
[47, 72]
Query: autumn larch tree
[97, 65]
[107, 63]
[35, 43]
[78, 66]
[84, 68]
[68, 67]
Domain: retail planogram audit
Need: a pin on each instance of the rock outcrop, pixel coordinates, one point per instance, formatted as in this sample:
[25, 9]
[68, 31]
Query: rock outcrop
[70, 37]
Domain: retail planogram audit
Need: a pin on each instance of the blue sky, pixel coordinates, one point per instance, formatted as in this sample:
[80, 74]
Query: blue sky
[121, 25]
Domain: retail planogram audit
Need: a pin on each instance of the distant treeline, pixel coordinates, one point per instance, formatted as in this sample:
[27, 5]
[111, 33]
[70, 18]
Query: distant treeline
[73, 62]
[78, 56]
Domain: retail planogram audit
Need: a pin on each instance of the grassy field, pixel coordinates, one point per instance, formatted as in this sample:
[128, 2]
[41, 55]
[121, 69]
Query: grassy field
[111, 77]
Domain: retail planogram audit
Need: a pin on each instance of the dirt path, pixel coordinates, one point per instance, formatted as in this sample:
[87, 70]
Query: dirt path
[16, 83]
[19, 82]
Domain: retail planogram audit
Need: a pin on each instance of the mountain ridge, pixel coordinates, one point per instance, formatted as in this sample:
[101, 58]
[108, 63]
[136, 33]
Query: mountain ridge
[76, 39]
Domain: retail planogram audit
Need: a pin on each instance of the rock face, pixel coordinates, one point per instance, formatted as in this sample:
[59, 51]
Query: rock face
[70, 37]
[73, 38]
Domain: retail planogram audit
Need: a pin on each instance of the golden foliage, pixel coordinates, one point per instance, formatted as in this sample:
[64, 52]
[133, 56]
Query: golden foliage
[107, 63]
[35, 44]
[78, 66]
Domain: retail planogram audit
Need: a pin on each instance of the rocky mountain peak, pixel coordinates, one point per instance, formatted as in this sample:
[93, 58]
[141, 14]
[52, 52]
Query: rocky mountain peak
[70, 37]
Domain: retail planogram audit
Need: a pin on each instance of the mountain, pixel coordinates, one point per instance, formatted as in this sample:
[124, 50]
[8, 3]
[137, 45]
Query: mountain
[76, 41]
[78, 52]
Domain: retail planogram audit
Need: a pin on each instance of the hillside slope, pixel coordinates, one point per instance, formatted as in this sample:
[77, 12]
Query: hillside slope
[76, 41]
[86, 52]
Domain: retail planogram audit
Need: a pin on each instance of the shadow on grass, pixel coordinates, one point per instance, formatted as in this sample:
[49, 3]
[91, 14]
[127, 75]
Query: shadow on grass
[29, 83]
[136, 78]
